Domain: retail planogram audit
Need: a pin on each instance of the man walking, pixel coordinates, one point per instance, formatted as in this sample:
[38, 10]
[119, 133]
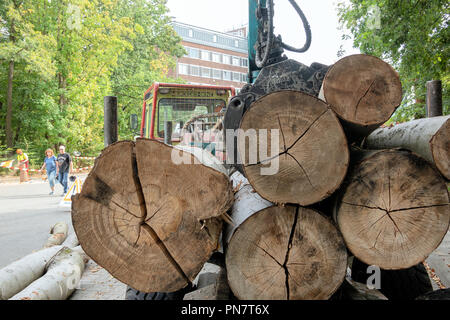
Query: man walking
[65, 166]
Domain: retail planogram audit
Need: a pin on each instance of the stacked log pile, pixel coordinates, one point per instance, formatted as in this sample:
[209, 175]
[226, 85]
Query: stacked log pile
[152, 214]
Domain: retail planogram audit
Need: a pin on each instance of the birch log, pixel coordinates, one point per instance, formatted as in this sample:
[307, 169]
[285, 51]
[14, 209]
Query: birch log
[61, 278]
[429, 138]
[364, 91]
[394, 209]
[58, 234]
[150, 214]
[19, 274]
[293, 148]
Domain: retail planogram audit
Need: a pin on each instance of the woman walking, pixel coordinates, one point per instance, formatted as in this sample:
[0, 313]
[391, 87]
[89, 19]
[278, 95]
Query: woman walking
[50, 164]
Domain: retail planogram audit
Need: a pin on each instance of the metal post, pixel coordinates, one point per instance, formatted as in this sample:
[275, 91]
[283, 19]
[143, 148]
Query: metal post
[168, 132]
[110, 120]
[434, 98]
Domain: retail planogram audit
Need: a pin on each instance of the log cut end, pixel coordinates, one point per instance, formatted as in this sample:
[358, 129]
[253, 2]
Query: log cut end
[362, 89]
[394, 211]
[286, 253]
[440, 149]
[148, 221]
[302, 153]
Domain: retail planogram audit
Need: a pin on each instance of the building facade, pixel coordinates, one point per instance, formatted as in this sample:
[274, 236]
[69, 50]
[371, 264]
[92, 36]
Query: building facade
[213, 58]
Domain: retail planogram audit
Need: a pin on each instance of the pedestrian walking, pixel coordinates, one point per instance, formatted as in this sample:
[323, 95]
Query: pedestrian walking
[22, 159]
[65, 166]
[50, 165]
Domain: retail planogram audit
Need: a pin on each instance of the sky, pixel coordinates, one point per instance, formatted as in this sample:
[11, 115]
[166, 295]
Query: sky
[223, 15]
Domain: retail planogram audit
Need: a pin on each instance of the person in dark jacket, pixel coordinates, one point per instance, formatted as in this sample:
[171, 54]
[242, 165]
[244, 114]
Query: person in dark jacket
[65, 167]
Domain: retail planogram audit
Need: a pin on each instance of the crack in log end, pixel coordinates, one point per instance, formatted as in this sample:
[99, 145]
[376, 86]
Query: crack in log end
[362, 97]
[303, 169]
[282, 134]
[100, 192]
[291, 237]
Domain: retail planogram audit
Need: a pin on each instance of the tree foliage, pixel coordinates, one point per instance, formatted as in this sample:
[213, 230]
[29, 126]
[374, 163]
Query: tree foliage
[411, 35]
[68, 55]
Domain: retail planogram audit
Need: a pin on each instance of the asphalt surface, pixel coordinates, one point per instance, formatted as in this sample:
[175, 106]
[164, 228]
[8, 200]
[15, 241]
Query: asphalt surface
[27, 212]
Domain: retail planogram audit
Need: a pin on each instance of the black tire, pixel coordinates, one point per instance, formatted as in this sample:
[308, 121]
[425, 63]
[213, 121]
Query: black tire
[133, 294]
[441, 294]
[406, 284]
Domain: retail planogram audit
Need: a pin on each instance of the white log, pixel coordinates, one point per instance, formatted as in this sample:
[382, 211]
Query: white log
[58, 233]
[428, 138]
[19, 274]
[71, 241]
[205, 157]
[61, 279]
[247, 202]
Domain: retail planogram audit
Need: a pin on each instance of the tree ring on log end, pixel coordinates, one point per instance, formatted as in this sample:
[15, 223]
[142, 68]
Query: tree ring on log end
[284, 253]
[300, 143]
[440, 149]
[394, 211]
[362, 89]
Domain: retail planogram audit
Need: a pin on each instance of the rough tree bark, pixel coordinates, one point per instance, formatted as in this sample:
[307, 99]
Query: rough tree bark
[429, 138]
[364, 91]
[151, 222]
[393, 210]
[311, 158]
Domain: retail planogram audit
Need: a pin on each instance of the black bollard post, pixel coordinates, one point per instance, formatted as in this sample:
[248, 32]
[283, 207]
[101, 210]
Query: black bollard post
[110, 120]
[434, 98]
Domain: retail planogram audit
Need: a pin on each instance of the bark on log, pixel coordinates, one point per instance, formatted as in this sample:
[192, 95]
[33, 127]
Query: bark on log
[58, 233]
[364, 91]
[429, 138]
[305, 156]
[393, 210]
[19, 274]
[71, 241]
[60, 280]
[148, 221]
[286, 253]
[352, 290]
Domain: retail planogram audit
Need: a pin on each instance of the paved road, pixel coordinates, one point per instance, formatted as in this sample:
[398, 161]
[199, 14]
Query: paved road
[27, 212]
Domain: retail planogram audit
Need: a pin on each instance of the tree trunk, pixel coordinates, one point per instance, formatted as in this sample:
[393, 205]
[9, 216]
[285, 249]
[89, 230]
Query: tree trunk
[58, 234]
[394, 209]
[306, 157]
[9, 106]
[19, 274]
[60, 280]
[287, 253]
[149, 218]
[71, 241]
[429, 138]
[364, 91]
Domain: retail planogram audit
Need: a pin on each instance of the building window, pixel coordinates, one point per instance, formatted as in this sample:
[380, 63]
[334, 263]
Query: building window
[236, 76]
[214, 38]
[217, 74]
[226, 59]
[191, 33]
[226, 75]
[206, 73]
[216, 57]
[183, 69]
[236, 61]
[244, 62]
[195, 71]
[243, 77]
[236, 43]
[193, 53]
[206, 55]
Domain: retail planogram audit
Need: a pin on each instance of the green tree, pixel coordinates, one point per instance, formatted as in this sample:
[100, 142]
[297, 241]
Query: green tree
[411, 35]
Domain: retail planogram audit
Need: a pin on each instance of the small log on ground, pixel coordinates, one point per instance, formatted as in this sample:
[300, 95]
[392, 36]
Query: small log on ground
[19, 274]
[71, 241]
[61, 278]
[58, 233]
[150, 214]
[286, 253]
[364, 91]
[429, 138]
[394, 209]
[293, 148]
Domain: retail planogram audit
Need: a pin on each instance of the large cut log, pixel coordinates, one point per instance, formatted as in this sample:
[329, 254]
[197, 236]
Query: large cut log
[150, 214]
[364, 91]
[62, 276]
[58, 233]
[280, 253]
[19, 274]
[430, 138]
[393, 210]
[293, 148]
